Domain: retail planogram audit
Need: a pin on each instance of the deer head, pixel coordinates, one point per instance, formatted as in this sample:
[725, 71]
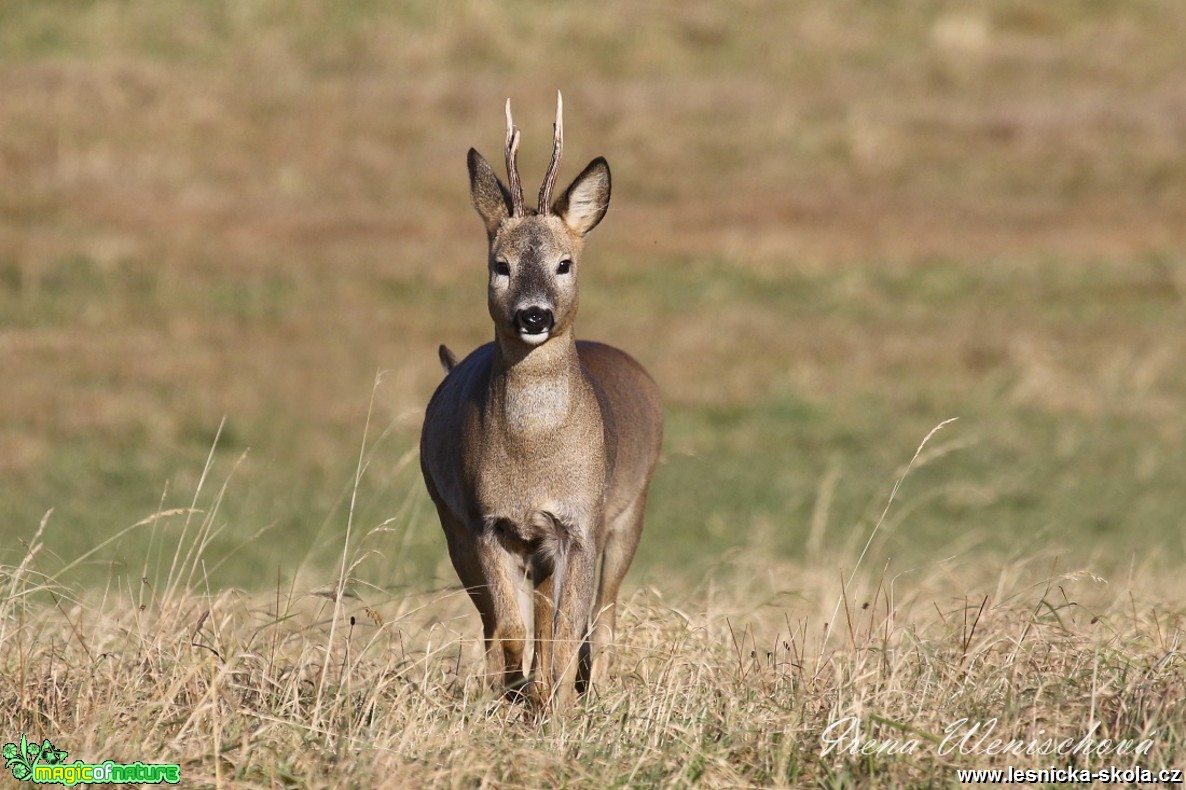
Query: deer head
[534, 255]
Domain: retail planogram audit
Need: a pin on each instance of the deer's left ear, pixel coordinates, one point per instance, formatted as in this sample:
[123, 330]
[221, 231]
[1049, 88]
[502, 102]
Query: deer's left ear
[585, 202]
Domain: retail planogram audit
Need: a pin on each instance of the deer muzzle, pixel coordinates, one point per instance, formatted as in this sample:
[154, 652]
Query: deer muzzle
[534, 323]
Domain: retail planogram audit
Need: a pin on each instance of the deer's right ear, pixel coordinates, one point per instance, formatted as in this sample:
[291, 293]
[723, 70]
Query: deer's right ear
[490, 197]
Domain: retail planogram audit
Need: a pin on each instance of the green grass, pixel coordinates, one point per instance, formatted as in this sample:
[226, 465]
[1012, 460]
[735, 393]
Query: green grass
[1091, 464]
[833, 227]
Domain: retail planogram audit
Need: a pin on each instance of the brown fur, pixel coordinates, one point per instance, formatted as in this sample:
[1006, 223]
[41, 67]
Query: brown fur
[538, 453]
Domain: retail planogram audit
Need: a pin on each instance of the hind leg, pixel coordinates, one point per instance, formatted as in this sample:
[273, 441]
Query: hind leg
[621, 542]
[543, 620]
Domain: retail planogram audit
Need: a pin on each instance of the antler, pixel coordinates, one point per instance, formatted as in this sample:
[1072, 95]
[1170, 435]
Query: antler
[512, 165]
[545, 191]
[514, 184]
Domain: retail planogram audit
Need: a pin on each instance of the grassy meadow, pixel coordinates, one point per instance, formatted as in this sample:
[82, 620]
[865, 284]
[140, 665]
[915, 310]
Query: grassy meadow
[232, 235]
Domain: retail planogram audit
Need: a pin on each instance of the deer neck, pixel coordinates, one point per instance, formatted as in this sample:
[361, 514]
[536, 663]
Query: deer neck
[536, 388]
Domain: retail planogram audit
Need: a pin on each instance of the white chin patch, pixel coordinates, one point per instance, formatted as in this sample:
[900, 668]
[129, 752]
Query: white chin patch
[533, 340]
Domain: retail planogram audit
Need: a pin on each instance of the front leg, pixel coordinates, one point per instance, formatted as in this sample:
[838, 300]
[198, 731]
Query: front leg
[572, 583]
[502, 622]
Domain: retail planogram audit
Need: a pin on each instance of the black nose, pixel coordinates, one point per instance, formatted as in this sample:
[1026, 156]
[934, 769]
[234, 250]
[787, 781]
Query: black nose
[534, 320]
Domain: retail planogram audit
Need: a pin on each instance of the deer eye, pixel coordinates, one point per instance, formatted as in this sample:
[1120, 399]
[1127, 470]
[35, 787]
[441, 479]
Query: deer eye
[502, 268]
[565, 267]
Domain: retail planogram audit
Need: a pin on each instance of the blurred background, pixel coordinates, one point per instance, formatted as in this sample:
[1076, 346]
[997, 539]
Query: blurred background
[232, 235]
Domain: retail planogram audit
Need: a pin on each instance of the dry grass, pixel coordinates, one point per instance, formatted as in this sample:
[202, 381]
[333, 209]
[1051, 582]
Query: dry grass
[729, 685]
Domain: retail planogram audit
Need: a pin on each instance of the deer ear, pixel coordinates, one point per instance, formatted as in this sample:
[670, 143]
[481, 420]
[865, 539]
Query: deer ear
[490, 197]
[585, 202]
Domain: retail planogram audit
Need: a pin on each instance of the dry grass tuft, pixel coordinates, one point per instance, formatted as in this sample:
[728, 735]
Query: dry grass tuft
[732, 683]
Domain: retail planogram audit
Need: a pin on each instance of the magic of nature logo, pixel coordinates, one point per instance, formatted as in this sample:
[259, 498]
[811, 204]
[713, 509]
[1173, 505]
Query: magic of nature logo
[44, 763]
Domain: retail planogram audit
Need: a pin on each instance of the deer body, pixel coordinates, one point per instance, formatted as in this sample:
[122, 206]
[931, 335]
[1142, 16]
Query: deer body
[537, 450]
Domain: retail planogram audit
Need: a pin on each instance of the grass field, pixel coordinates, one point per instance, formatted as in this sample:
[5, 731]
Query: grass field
[232, 235]
[775, 673]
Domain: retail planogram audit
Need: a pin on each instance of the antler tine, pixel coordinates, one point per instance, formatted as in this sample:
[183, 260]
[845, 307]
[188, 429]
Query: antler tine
[545, 191]
[515, 186]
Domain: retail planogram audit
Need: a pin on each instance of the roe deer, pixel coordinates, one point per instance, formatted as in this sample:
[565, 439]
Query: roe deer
[537, 449]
